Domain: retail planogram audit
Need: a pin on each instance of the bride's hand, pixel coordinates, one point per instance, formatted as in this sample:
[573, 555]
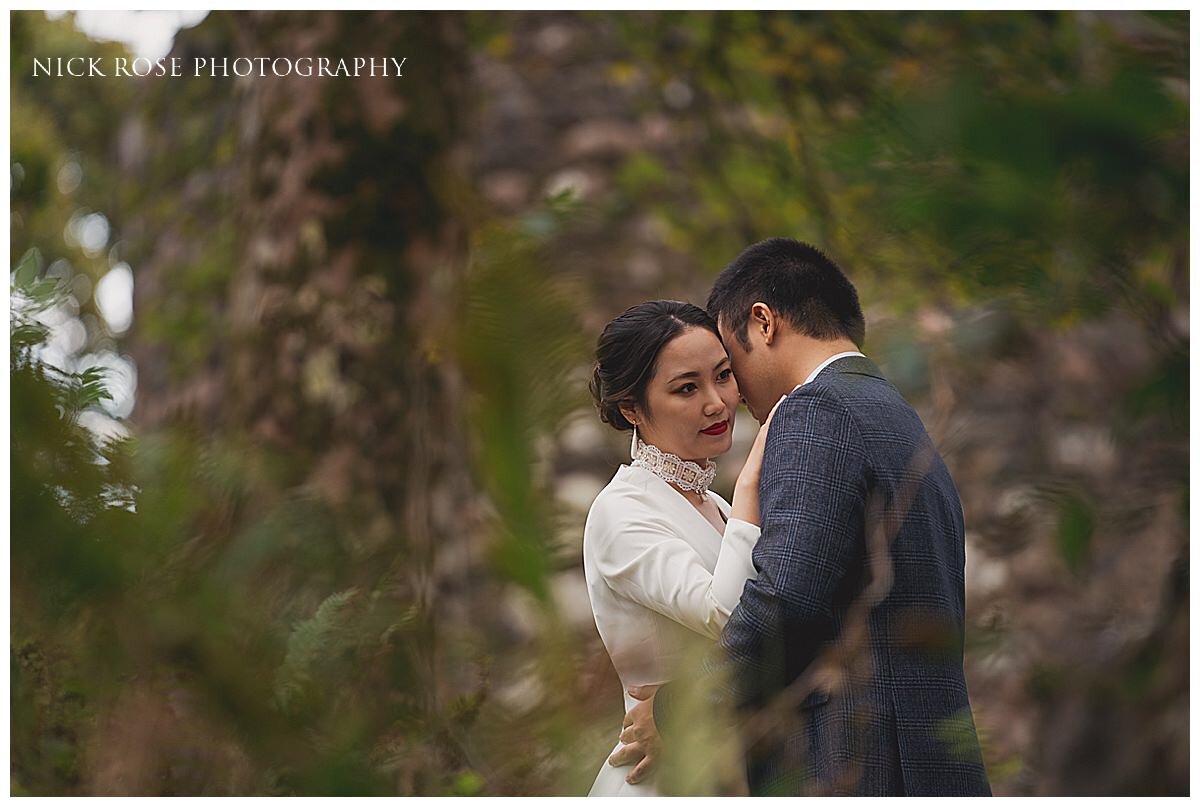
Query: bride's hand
[745, 491]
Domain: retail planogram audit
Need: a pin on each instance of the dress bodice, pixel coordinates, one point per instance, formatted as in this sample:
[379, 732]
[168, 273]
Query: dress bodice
[660, 577]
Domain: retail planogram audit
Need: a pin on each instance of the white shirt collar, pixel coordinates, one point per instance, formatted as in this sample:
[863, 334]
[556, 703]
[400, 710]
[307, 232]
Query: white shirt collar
[825, 364]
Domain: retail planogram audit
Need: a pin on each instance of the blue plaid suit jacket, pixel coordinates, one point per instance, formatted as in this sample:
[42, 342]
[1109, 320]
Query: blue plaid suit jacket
[848, 644]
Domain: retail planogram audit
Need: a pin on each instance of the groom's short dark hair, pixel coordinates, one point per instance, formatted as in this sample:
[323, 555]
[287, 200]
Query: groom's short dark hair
[798, 282]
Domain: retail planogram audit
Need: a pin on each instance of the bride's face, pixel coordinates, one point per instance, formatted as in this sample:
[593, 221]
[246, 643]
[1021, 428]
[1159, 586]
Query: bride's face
[691, 400]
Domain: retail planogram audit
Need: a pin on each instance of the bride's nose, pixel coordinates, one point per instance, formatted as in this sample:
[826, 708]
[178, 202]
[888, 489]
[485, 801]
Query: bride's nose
[713, 406]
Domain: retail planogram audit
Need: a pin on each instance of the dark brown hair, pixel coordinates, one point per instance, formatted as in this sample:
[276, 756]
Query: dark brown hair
[798, 282]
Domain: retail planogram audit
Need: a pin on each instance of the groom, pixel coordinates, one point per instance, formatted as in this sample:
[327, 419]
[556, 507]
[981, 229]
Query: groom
[844, 655]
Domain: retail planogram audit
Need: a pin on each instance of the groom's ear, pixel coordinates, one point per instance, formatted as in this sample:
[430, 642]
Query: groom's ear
[763, 322]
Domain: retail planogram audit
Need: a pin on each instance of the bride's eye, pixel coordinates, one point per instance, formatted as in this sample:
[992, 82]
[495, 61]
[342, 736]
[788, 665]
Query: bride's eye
[724, 374]
[687, 387]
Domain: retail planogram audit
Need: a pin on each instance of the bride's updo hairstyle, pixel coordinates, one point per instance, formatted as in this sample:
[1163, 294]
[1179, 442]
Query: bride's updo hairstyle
[627, 353]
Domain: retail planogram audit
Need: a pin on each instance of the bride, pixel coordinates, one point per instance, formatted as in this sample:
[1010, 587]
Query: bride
[664, 557]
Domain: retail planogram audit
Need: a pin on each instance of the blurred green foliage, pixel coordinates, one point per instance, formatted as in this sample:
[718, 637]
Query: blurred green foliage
[520, 347]
[1075, 527]
[77, 495]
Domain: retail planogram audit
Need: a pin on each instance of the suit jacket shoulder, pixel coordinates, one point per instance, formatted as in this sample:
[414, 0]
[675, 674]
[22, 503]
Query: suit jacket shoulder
[809, 410]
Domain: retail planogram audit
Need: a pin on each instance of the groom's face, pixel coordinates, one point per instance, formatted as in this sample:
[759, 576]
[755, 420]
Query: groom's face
[750, 369]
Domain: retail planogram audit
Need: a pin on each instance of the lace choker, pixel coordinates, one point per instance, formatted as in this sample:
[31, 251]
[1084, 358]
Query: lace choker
[682, 473]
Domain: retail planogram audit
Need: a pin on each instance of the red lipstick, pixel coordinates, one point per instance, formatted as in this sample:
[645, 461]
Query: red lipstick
[716, 429]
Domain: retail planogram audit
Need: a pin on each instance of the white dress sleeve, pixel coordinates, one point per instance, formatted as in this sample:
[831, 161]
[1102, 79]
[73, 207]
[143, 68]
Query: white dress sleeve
[642, 557]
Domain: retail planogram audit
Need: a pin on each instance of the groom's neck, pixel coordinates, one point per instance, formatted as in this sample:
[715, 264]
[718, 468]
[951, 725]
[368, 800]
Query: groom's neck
[808, 353]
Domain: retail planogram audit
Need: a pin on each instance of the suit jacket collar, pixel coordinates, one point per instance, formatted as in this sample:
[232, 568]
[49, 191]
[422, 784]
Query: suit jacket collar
[855, 365]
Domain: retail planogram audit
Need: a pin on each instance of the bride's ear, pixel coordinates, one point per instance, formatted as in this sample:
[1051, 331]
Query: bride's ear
[630, 412]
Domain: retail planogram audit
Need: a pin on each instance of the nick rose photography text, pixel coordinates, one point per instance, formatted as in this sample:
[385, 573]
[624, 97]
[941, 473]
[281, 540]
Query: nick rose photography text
[224, 67]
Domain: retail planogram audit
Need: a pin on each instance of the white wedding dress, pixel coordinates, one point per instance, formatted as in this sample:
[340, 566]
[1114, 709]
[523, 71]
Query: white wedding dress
[658, 573]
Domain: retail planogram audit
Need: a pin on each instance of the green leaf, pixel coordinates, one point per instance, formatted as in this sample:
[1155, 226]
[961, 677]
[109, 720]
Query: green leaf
[1076, 523]
[467, 783]
[28, 334]
[28, 269]
[312, 643]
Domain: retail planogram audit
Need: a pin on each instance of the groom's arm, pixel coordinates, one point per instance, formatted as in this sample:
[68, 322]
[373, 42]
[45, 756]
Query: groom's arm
[813, 493]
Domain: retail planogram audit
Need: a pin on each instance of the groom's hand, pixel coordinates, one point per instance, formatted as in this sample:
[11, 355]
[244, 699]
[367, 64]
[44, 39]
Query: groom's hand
[640, 735]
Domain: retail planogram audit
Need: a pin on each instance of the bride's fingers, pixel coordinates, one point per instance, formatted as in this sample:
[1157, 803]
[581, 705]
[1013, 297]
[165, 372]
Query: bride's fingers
[631, 734]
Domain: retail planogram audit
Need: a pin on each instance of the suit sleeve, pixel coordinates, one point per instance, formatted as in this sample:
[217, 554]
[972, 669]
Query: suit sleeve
[643, 558]
[812, 502]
